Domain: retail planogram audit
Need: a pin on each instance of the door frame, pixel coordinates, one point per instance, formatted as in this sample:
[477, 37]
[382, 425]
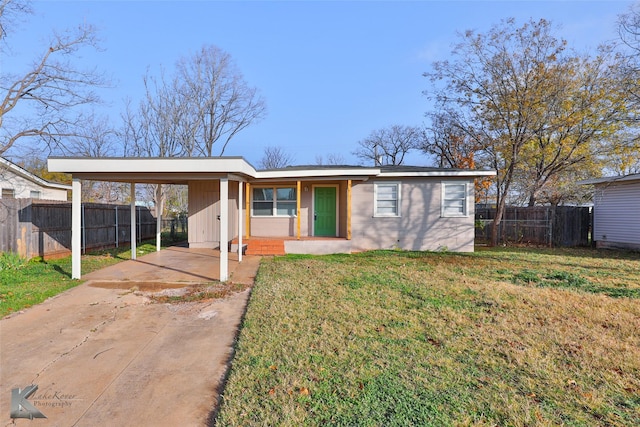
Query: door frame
[313, 207]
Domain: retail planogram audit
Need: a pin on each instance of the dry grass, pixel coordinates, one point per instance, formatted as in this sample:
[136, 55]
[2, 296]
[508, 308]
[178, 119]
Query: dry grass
[500, 337]
[201, 292]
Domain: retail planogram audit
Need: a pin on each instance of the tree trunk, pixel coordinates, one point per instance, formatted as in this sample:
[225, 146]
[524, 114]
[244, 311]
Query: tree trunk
[495, 227]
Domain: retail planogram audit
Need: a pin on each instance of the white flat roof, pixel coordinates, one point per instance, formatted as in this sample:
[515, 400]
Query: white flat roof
[180, 169]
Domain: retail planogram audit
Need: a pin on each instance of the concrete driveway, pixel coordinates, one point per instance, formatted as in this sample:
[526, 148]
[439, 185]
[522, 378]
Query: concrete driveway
[106, 355]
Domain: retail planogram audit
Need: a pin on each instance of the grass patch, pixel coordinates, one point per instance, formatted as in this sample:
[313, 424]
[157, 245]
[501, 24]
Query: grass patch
[499, 337]
[25, 283]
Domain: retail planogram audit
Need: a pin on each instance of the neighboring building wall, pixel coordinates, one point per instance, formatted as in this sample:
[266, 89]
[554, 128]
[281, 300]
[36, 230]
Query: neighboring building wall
[420, 225]
[23, 188]
[616, 215]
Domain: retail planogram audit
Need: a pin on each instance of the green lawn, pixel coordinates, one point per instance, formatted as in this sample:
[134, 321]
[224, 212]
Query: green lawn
[508, 337]
[25, 283]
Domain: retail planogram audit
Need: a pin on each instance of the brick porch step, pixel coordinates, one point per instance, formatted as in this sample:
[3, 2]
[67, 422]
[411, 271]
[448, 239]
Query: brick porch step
[264, 246]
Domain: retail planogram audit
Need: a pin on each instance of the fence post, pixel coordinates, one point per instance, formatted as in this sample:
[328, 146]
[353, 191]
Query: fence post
[117, 226]
[551, 222]
[139, 225]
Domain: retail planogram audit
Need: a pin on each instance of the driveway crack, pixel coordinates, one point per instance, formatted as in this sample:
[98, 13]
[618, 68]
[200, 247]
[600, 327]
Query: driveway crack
[93, 330]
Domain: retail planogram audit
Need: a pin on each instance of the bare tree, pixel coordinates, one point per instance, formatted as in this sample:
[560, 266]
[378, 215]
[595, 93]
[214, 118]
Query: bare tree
[43, 101]
[333, 159]
[388, 146]
[275, 158]
[200, 108]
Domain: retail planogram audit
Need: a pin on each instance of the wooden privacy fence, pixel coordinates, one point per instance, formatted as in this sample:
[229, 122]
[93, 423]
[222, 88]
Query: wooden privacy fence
[32, 227]
[557, 226]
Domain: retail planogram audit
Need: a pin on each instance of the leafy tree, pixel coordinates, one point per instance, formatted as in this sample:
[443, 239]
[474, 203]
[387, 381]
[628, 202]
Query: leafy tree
[38, 167]
[388, 146]
[275, 158]
[448, 142]
[584, 112]
[43, 101]
[537, 110]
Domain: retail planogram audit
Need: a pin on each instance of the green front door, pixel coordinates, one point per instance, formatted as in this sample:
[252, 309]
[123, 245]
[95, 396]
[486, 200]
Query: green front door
[325, 211]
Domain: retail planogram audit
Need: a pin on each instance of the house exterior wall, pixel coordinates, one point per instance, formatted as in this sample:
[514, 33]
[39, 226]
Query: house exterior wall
[616, 218]
[23, 187]
[420, 225]
[204, 208]
[282, 226]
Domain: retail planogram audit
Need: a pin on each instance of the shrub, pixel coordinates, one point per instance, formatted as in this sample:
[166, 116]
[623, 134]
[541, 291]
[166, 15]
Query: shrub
[11, 261]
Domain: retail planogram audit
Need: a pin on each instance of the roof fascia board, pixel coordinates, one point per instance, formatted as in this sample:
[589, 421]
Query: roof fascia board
[610, 180]
[317, 173]
[443, 173]
[96, 166]
[310, 178]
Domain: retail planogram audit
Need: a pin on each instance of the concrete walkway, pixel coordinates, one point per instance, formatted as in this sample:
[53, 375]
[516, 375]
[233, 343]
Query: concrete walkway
[108, 356]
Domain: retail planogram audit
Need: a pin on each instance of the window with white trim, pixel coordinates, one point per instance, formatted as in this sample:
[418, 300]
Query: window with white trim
[34, 194]
[454, 199]
[274, 201]
[386, 198]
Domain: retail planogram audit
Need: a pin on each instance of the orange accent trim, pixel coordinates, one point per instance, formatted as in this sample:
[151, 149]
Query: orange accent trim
[247, 212]
[349, 209]
[298, 208]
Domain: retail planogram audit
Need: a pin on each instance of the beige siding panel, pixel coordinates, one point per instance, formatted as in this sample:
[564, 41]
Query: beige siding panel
[419, 227]
[204, 207]
[617, 214]
[232, 230]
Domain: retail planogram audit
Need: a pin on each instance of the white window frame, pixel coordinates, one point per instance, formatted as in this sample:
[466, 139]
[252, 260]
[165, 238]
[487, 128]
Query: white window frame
[398, 212]
[274, 201]
[443, 199]
[35, 194]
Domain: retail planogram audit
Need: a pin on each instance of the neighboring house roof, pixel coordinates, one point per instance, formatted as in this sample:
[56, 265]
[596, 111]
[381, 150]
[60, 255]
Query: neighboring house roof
[6, 164]
[175, 169]
[611, 179]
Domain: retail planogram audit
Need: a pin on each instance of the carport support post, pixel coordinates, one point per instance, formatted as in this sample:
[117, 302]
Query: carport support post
[133, 220]
[224, 229]
[240, 185]
[158, 217]
[76, 228]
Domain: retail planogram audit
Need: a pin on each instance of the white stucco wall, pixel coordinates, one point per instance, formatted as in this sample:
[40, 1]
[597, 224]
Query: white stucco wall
[419, 226]
[23, 187]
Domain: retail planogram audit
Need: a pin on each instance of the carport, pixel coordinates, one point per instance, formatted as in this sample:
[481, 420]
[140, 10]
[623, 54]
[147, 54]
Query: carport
[159, 171]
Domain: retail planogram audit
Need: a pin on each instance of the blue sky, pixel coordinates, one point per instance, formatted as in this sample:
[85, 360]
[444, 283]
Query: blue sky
[331, 71]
